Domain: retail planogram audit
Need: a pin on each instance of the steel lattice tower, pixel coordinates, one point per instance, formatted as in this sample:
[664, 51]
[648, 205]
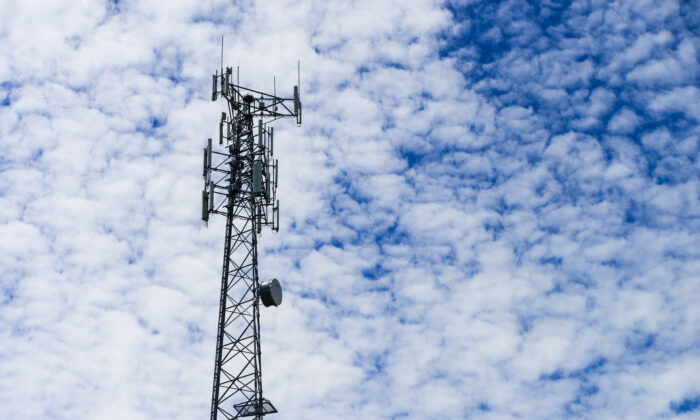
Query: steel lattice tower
[241, 184]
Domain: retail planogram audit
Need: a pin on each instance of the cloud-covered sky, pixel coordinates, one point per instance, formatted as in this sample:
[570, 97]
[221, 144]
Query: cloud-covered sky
[492, 209]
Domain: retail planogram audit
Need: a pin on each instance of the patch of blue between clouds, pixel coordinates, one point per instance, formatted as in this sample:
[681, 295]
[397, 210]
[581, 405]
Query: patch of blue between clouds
[156, 122]
[586, 388]
[593, 367]
[7, 296]
[196, 335]
[153, 128]
[7, 87]
[686, 405]
[375, 272]
[640, 342]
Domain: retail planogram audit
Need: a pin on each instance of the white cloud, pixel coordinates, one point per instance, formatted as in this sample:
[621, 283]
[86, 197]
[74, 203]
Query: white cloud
[624, 121]
[684, 99]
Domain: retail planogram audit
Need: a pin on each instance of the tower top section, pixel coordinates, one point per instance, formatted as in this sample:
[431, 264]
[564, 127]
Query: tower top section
[253, 103]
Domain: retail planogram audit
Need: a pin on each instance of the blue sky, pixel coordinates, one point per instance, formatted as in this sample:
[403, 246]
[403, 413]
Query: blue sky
[492, 209]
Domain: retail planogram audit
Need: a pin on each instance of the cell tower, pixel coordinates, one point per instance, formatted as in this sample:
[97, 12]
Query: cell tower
[240, 183]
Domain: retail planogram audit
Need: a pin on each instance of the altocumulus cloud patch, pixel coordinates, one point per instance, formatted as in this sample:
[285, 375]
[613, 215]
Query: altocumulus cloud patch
[491, 211]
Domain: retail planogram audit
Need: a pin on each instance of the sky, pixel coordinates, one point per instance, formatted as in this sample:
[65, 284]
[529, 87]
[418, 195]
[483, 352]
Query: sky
[491, 210]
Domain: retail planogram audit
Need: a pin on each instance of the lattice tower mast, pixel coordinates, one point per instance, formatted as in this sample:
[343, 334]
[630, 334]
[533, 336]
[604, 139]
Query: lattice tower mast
[240, 179]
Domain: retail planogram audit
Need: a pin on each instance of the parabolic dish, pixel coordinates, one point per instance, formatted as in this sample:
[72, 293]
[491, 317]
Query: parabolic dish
[271, 292]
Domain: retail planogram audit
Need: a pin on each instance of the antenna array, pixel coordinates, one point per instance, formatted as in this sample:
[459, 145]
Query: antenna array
[240, 183]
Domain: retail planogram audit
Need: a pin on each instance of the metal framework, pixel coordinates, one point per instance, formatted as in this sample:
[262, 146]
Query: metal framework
[241, 184]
